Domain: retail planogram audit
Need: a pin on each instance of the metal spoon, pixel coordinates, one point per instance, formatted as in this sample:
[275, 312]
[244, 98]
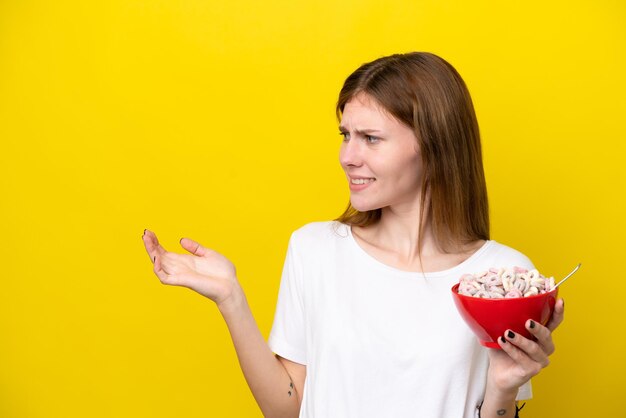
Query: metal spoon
[567, 277]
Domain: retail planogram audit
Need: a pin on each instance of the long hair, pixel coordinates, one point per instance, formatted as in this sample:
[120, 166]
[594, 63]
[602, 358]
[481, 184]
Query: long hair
[424, 92]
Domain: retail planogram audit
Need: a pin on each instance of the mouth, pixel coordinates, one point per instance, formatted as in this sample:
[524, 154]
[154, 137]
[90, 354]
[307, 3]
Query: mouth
[362, 181]
[359, 184]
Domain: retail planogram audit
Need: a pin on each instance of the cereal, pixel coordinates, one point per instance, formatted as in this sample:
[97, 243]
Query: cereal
[516, 282]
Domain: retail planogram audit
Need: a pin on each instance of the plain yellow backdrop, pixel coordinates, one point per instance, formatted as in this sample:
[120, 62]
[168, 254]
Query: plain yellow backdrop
[215, 120]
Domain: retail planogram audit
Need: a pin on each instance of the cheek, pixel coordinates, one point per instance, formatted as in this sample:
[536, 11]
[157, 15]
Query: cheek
[409, 169]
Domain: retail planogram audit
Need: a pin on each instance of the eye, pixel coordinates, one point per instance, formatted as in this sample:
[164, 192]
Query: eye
[371, 139]
[345, 135]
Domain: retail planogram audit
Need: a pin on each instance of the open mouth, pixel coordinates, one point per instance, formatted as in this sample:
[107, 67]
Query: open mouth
[362, 181]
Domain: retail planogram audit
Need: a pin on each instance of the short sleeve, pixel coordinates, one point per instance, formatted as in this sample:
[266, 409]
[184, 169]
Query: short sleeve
[288, 335]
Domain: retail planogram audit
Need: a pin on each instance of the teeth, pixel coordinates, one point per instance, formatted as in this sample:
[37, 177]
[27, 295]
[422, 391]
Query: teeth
[361, 181]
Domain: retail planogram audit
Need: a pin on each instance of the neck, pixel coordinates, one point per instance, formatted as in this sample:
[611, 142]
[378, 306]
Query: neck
[399, 230]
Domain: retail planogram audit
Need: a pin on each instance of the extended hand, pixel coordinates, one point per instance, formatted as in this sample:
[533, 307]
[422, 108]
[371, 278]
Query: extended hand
[205, 271]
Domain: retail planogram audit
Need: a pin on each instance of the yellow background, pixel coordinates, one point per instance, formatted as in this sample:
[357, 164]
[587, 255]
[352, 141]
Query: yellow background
[214, 120]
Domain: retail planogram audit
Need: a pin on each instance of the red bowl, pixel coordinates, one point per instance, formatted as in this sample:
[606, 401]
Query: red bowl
[490, 318]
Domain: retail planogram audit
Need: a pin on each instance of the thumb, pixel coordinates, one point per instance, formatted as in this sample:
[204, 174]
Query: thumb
[193, 247]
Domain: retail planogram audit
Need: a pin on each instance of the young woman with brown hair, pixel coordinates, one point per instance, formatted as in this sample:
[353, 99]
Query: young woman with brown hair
[365, 325]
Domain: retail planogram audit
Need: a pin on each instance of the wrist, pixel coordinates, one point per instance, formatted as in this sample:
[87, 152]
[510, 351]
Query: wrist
[498, 402]
[501, 386]
[500, 394]
[232, 304]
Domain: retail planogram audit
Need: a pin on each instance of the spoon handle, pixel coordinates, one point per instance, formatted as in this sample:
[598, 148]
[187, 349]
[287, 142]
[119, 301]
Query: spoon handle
[568, 276]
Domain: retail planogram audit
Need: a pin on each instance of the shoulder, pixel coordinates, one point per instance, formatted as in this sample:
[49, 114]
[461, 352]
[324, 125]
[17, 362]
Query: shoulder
[316, 231]
[319, 234]
[501, 255]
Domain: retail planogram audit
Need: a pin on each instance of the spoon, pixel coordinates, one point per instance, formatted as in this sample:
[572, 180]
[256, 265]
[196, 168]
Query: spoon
[568, 276]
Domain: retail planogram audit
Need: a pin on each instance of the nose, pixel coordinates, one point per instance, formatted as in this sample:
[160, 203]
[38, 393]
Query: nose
[350, 154]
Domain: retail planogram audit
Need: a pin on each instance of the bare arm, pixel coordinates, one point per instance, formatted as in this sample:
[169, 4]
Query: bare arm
[275, 389]
[212, 275]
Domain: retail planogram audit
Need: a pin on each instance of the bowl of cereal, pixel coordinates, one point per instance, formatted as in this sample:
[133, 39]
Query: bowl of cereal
[502, 299]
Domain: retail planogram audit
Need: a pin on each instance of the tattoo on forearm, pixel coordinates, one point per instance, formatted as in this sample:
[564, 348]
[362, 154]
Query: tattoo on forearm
[291, 386]
[499, 412]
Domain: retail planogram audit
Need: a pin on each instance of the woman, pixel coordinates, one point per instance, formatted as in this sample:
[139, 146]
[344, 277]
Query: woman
[364, 313]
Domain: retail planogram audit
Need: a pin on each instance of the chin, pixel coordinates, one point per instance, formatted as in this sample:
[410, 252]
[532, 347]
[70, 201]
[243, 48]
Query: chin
[363, 206]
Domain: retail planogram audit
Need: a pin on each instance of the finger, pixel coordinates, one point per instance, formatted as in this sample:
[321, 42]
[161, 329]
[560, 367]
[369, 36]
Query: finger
[163, 276]
[146, 245]
[526, 368]
[152, 245]
[542, 334]
[531, 352]
[194, 247]
[557, 315]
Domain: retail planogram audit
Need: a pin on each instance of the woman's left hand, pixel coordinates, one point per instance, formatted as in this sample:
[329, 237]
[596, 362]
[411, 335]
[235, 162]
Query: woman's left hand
[522, 358]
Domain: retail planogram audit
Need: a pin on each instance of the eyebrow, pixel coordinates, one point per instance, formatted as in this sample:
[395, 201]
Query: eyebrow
[359, 131]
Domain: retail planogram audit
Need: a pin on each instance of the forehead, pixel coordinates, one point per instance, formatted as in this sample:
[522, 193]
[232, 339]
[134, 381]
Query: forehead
[363, 109]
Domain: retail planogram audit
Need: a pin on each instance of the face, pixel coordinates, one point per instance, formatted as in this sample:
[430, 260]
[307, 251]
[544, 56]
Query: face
[379, 156]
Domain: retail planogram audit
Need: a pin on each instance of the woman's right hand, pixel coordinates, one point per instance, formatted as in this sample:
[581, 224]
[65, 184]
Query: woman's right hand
[205, 271]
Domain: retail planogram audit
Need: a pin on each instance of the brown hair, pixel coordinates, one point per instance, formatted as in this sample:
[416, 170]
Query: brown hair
[424, 92]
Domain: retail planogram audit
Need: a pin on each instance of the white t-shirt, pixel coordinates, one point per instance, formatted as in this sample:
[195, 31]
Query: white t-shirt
[377, 341]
